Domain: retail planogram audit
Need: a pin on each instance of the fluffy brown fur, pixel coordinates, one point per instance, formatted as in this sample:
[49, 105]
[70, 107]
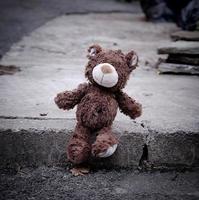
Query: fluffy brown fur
[97, 106]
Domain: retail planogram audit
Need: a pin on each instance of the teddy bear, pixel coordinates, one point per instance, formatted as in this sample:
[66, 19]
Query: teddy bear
[97, 103]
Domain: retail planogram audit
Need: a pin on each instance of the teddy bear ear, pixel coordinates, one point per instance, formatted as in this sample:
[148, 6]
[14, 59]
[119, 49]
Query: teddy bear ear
[132, 60]
[94, 50]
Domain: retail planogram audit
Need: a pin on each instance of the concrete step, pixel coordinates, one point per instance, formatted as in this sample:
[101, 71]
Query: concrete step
[58, 183]
[36, 142]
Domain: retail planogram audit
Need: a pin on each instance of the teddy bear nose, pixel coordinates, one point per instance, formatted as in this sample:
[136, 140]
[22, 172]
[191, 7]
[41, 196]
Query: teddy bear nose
[106, 69]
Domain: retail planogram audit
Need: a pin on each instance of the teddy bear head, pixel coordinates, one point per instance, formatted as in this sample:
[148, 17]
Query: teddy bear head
[109, 69]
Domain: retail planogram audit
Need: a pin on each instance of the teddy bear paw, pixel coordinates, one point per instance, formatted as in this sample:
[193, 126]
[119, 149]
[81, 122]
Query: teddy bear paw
[108, 152]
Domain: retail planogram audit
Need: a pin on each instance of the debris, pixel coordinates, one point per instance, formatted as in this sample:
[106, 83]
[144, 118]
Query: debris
[185, 35]
[185, 48]
[9, 70]
[175, 177]
[152, 64]
[43, 114]
[147, 94]
[178, 68]
[79, 171]
[115, 44]
[142, 125]
[183, 58]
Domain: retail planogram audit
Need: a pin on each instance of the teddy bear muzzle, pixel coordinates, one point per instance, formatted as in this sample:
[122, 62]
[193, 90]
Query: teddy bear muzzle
[105, 75]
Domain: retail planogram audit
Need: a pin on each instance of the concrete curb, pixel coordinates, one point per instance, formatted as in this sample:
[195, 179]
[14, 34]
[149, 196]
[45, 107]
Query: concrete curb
[36, 142]
[174, 149]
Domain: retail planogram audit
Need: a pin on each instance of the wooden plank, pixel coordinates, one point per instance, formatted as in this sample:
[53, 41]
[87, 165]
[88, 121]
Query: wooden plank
[183, 59]
[9, 70]
[173, 68]
[185, 35]
[183, 48]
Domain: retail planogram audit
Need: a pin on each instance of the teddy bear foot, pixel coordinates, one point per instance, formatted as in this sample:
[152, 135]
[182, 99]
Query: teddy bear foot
[110, 151]
[98, 151]
[105, 144]
[80, 171]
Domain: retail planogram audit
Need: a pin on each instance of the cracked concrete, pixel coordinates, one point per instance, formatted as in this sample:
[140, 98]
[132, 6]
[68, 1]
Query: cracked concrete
[169, 125]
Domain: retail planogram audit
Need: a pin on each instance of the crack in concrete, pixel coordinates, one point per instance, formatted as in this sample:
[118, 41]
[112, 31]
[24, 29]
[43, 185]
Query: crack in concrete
[34, 118]
[144, 156]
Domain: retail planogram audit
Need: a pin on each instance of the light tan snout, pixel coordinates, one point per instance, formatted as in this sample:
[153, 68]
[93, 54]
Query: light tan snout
[106, 69]
[105, 75]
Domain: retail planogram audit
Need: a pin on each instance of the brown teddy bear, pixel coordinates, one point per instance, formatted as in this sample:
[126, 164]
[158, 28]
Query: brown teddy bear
[97, 103]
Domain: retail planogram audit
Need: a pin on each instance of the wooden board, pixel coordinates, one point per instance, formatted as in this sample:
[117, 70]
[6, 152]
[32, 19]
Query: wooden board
[173, 68]
[9, 69]
[185, 35]
[183, 48]
[183, 59]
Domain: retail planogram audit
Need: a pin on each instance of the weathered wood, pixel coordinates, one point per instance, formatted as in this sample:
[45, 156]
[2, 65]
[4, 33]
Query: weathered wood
[184, 48]
[185, 35]
[164, 68]
[183, 59]
[8, 70]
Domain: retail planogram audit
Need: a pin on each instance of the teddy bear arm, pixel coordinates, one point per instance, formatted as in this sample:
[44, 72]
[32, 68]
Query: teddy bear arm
[129, 106]
[69, 99]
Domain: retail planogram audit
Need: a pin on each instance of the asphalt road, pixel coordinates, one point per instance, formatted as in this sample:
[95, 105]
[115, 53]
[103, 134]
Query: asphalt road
[21, 17]
[58, 183]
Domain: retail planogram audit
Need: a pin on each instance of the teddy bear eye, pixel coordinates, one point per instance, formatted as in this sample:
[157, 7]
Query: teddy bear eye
[92, 52]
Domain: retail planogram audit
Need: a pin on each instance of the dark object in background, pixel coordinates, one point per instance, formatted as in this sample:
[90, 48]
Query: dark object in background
[156, 10]
[190, 16]
[184, 12]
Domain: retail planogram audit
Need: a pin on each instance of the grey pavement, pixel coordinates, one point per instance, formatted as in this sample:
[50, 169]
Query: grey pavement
[52, 59]
[20, 17]
[57, 183]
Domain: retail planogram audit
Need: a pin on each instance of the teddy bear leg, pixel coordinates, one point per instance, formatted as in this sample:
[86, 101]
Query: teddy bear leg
[105, 144]
[79, 147]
